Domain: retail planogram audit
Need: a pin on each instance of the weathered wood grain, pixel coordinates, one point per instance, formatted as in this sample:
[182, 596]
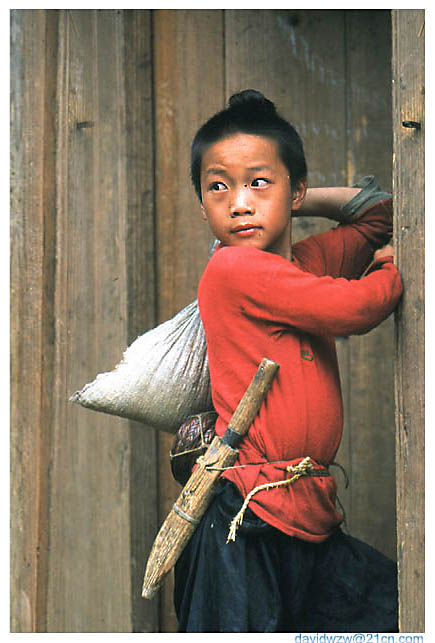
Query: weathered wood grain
[89, 491]
[370, 416]
[141, 292]
[188, 83]
[33, 40]
[408, 185]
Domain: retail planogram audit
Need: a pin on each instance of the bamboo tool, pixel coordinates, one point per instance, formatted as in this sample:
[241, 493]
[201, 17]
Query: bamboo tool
[197, 493]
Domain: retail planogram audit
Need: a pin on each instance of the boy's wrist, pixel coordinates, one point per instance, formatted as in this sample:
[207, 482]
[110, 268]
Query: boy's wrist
[370, 194]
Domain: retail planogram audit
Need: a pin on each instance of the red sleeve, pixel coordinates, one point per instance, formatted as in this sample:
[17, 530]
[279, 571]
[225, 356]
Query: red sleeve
[269, 288]
[345, 251]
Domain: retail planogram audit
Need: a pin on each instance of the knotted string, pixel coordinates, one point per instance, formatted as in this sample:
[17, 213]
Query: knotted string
[297, 470]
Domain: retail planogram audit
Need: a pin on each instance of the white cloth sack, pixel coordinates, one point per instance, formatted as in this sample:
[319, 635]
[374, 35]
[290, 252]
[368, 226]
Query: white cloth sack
[162, 379]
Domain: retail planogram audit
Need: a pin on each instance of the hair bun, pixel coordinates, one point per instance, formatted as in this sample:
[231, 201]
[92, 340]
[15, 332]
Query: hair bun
[252, 99]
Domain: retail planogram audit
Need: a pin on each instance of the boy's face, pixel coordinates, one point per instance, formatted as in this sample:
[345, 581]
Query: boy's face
[246, 194]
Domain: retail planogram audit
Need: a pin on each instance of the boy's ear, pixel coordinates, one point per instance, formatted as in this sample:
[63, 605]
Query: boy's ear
[203, 212]
[299, 194]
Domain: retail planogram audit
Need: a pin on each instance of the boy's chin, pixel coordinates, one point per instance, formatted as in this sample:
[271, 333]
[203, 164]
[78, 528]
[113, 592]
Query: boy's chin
[277, 250]
[245, 244]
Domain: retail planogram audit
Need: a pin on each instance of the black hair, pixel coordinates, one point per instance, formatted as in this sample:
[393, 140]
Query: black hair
[249, 112]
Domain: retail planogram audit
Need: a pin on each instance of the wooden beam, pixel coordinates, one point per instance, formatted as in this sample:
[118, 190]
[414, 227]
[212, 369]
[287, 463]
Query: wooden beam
[89, 578]
[408, 188]
[33, 42]
[370, 420]
[141, 293]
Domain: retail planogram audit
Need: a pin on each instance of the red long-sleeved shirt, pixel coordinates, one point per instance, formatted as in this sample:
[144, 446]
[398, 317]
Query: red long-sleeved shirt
[255, 304]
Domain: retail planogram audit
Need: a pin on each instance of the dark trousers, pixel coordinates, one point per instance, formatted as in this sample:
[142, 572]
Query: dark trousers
[267, 581]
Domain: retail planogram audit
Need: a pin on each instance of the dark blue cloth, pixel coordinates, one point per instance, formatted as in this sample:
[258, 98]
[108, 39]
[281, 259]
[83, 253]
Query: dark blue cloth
[267, 581]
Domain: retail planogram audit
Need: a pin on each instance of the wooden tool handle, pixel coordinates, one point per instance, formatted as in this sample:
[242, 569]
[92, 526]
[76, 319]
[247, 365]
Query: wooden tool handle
[250, 403]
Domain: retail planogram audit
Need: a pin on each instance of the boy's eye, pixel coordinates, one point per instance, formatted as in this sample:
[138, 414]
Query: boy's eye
[216, 186]
[260, 183]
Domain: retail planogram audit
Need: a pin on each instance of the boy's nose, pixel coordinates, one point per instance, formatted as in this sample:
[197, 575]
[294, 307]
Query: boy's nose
[241, 202]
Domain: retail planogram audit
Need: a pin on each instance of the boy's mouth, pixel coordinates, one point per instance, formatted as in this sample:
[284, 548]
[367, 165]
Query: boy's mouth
[245, 229]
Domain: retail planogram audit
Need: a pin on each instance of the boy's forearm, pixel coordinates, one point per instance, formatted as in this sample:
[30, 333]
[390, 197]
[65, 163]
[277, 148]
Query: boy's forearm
[326, 202]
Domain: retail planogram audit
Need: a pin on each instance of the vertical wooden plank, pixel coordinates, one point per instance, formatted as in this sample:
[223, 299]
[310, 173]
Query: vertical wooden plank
[188, 84]
[188, 77]
[33, 36]
[48, 358]
[89, 568]
[369, 501]
[368, 95]
[408, 185]
[141, 278]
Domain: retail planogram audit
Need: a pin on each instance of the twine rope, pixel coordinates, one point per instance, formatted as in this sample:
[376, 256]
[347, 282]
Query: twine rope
[247, 464]
[297, 470]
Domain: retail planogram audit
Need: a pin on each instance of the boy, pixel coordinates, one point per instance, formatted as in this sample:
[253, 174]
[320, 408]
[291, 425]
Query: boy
[289, 567]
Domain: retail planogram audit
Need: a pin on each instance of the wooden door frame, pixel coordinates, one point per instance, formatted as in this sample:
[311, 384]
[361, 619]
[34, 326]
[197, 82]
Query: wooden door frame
[408, 200]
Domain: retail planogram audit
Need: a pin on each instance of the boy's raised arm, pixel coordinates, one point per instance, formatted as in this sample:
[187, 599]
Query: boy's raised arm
[280, 293]
[326, 202]
[342, 204]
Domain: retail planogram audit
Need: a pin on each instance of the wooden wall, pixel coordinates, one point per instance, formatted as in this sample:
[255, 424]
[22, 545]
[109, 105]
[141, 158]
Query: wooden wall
[409, 205]
[107, 241]
[84, 489]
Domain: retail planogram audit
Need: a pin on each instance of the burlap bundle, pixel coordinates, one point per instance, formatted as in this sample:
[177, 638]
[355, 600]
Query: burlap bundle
[162, 379]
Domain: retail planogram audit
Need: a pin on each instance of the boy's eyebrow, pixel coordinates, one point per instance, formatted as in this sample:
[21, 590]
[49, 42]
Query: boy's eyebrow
[251, 168]
[259, 168]
[214, 170]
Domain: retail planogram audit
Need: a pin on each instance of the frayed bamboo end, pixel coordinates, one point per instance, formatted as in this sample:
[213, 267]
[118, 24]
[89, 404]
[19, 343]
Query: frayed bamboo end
[150, 592]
